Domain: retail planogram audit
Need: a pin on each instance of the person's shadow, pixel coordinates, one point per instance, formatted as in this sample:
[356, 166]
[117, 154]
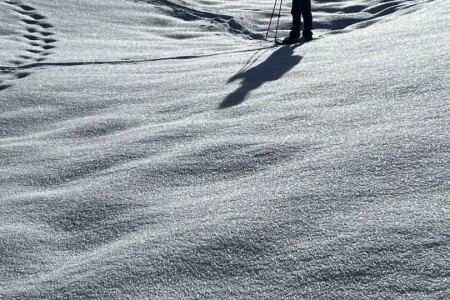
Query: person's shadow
[277, 64]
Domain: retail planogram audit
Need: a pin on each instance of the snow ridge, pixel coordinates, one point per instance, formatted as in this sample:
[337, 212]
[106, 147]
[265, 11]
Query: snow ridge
[339, 16]
[185, 13]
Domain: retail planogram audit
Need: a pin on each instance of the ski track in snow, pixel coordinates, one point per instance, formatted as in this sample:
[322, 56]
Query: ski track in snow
[333, 16]
[181, 163]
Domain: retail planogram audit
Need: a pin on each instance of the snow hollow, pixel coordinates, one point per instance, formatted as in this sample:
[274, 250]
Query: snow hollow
[164, 149]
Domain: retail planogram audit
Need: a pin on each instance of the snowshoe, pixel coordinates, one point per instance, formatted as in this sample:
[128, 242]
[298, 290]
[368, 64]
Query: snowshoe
[292, 38]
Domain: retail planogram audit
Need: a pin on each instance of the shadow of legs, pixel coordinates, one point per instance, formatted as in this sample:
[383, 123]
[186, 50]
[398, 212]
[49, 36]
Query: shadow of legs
[273, 68]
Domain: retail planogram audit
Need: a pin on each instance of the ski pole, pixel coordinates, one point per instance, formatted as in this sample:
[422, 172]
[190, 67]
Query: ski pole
[278, 21]
[271, 17]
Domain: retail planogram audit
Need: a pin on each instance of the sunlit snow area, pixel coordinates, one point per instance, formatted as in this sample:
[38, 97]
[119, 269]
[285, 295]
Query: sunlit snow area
[166, 149]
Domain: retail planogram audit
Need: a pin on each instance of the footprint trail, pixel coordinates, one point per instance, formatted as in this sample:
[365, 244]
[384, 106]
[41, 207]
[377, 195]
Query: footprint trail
[37, 40]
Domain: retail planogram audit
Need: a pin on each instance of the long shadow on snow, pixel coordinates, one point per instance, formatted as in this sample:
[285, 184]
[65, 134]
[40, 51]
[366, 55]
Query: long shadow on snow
[273, 68]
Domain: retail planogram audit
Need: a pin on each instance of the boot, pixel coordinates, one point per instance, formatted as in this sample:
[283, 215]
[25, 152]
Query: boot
[294, 37]
[307, 35]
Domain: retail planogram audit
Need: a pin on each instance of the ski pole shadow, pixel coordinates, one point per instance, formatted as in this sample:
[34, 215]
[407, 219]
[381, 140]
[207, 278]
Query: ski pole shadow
[273, 68]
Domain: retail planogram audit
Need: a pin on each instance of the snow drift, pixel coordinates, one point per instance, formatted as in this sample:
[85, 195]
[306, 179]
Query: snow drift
[165, 150]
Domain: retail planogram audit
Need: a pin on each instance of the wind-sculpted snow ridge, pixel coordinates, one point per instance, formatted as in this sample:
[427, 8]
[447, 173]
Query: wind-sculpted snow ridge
[210, 20]
[329, 16]
[36, 38]
[336, 16]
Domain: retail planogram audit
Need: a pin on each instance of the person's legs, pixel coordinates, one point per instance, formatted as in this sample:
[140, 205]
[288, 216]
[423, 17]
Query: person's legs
[300, 8]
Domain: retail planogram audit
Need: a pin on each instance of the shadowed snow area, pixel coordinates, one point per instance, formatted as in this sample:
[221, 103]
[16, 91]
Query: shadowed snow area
[165, 149]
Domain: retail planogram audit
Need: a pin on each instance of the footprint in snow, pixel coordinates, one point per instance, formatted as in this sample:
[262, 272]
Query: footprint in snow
[37, 39]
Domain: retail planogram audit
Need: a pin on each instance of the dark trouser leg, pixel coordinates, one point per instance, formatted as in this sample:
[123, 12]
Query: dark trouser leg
[301, 8]
[296, 12]
[307, 15]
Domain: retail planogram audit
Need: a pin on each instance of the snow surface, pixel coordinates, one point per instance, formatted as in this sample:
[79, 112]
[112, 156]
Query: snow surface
[163, 149]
